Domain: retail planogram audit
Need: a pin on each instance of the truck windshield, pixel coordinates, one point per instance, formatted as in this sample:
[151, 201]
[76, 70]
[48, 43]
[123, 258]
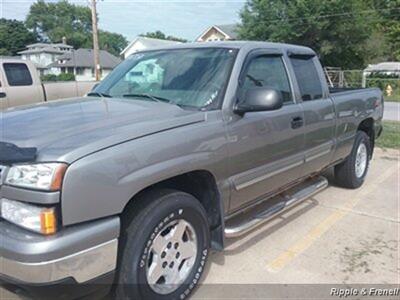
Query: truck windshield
[193, 77]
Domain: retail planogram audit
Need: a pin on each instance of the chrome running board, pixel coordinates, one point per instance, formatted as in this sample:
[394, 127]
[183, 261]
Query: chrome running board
[272, 207]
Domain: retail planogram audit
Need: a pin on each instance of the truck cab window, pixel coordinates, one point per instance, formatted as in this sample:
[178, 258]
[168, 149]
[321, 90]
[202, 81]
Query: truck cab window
[307, 78]
[270, 72]
[17, 74]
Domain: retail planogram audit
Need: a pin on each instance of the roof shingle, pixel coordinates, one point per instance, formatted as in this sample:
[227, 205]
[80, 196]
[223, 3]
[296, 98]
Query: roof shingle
[229, 29]
[85, 58]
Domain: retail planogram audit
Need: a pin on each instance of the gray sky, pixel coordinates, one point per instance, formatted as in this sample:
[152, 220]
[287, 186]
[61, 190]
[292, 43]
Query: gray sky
[186, 19]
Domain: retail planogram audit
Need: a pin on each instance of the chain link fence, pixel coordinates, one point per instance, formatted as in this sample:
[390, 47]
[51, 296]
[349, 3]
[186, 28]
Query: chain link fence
[388, 83]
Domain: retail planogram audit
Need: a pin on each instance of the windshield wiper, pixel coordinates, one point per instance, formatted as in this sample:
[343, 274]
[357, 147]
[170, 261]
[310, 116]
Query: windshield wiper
[151, 97]
[157, 99]
[98, 94]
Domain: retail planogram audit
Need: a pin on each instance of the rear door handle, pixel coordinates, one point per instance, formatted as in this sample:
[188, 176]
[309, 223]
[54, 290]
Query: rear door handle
[3, 95]
[297, 122]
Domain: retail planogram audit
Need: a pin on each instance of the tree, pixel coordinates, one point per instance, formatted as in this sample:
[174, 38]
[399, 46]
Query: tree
[336, 30]
[161, 36]
[14, 36]
[54, 20]
[389, 25]
[112, 42]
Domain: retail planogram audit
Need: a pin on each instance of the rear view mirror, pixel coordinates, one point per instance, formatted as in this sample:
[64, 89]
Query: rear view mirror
[260, 99]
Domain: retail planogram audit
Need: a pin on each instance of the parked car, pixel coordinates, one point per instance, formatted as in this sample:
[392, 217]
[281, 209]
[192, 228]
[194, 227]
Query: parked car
[20, 84]
[136, 183]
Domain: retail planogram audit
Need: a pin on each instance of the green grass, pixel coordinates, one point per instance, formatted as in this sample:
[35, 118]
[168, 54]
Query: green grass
[393, 98]
[390, 137]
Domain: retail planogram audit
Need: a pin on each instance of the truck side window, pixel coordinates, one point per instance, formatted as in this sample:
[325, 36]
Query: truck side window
[17, 74]
[307, 78]
[268, 71]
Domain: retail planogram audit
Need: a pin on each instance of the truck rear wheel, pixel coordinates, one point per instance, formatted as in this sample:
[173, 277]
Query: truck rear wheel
[164, 247]
[351, 173]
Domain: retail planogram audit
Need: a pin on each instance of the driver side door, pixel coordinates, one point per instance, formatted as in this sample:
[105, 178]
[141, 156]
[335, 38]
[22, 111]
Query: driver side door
[266, 148]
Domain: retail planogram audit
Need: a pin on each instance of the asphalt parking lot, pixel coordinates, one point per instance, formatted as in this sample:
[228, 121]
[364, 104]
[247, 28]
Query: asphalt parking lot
[338, 236]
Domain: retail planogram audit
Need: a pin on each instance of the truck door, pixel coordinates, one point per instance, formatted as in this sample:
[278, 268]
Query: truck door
[319, 114]
[3, 94]
[22, 87]
[266, 148]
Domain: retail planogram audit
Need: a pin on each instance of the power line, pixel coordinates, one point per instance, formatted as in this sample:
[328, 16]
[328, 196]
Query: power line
[331, 15]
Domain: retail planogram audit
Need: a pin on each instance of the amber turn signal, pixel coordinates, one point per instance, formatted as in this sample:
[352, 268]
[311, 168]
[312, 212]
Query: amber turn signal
[58, 177]
[48, 222]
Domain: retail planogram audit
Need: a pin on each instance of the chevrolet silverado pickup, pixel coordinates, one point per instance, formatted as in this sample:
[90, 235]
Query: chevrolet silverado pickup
[178, 149]
[20, 84]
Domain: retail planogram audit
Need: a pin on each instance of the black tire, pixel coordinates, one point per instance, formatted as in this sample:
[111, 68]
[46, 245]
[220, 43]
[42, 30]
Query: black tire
[158, 207]
[345, 172]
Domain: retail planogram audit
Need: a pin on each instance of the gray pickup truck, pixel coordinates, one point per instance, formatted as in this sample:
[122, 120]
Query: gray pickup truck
[176, 150]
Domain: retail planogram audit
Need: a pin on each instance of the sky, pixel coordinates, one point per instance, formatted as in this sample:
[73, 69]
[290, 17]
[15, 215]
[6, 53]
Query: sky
[185, 19]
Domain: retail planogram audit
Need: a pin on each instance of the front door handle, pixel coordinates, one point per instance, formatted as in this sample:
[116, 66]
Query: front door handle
[3, 95]
[297, 122]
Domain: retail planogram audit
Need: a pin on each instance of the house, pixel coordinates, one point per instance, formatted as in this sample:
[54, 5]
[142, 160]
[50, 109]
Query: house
[219, 33]
[80, 62]
[43, 54]
[142, 43]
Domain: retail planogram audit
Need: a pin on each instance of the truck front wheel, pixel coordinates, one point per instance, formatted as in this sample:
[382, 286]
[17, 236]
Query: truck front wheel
[165, 246]
[351, 173]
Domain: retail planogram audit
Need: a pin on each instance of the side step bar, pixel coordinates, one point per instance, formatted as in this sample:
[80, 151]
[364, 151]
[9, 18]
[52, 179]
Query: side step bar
[271, 207]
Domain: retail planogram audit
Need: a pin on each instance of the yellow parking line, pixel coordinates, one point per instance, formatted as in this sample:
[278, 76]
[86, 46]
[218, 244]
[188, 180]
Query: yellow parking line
[304, 243]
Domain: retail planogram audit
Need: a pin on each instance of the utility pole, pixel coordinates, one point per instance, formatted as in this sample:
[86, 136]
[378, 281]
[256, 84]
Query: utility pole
[95, 42]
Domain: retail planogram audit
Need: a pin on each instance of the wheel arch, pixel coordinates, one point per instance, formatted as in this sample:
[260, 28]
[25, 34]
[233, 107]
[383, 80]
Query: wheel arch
[367, 126]
[203, 186]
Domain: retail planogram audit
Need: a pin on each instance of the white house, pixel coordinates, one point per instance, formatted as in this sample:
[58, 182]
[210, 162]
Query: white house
[43, 54]
[143, 43]
[219, 33]
[80, 62]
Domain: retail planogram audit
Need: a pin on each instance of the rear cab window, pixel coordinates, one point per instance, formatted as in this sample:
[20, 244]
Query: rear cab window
[307, 77]
[17, 74]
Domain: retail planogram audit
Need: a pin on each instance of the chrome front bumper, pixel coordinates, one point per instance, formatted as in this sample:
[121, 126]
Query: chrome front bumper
[82, 253]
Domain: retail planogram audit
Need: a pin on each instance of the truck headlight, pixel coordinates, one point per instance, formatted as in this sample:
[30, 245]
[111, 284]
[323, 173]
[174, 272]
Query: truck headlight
[32, 217]
[42, 176]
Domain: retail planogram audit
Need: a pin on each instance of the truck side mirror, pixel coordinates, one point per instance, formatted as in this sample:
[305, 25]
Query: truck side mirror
[260, 99]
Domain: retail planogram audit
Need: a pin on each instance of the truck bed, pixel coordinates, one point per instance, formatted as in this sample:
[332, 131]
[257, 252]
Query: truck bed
[66, 89]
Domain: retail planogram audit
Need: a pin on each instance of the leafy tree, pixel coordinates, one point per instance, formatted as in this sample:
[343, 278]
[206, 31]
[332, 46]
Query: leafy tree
[54, 20]
[389, 25]
[337, 30]
[112, 42]
[160, 35]
[14, 36]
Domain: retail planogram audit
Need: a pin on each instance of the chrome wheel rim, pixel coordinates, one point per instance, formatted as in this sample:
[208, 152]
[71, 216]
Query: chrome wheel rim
[171, 257]
[361, 160]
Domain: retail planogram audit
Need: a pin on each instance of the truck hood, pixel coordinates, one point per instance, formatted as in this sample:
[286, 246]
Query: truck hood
[66, 130]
